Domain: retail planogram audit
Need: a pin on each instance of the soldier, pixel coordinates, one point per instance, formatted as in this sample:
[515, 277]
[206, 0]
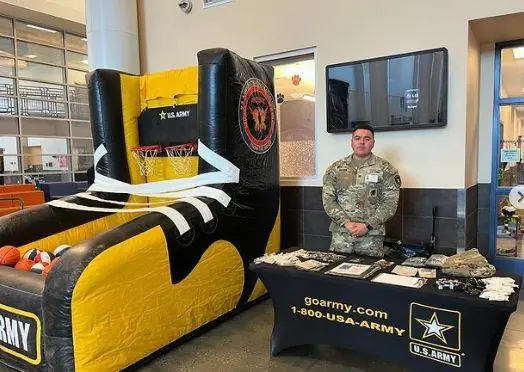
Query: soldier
[360, 194]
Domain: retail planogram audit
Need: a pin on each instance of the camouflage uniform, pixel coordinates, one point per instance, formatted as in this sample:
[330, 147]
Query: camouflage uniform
[366, 193]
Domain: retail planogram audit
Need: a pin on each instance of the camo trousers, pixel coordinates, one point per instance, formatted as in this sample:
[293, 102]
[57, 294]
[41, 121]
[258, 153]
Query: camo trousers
[368, 245]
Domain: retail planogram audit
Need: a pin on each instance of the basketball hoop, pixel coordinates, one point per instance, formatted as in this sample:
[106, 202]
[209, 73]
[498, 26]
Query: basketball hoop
[179, 156]
[144, 156]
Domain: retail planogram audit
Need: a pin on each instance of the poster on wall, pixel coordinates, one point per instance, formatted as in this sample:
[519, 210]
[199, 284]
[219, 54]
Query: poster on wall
[211, 3]
[62, 161]
[510, 155]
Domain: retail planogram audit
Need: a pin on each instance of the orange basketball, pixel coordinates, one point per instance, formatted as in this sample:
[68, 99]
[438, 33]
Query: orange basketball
[48, 268]
[9, 255]
[24, 265]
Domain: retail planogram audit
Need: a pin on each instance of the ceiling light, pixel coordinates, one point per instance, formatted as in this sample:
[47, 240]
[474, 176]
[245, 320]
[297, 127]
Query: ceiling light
[84, 39]
[85, 61]
[307, 97]
[518, 53]
[41, 28]
[32, 56]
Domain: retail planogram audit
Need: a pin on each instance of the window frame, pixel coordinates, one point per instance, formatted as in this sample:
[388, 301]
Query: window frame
[68, 102]
[294, 55]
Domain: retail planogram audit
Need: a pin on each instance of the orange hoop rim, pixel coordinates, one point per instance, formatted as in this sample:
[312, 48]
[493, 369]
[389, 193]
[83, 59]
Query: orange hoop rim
[190, 145]
[147, 148]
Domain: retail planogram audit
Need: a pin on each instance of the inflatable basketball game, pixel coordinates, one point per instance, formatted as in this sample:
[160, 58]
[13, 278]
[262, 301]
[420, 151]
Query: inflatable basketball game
[186, 195]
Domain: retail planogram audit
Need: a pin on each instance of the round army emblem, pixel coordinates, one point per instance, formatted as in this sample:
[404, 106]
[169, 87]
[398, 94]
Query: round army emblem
[257, 116]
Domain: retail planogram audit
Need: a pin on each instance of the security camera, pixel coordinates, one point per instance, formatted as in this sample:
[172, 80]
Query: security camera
[185, 5]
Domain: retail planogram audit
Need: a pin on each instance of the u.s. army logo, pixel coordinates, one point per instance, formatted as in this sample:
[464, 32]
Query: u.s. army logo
[434, 328]
[435, 333]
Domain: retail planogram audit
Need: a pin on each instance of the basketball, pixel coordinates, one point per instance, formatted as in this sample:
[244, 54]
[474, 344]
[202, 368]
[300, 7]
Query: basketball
[9, 255]
[44, 258]
[31, 254]
[24, 265]
[48, 268]
[61, 249]
[37, 268]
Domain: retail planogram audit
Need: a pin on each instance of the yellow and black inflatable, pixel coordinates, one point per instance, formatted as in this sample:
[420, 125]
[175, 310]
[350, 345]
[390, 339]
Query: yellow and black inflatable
[132, 285]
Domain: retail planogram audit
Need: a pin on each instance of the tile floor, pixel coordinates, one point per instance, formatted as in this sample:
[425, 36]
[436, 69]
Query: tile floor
[242, 344]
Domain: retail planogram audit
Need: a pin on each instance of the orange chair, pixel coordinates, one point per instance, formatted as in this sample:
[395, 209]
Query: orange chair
[6, 201]
[29, 197]
[16, 188]
[14, 201]
[6, 211]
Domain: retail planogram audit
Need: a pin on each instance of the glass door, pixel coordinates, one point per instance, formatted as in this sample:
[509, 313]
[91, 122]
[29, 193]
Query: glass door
[507, 196]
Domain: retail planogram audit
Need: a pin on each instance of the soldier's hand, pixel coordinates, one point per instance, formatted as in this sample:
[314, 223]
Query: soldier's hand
[356, 229]
[350, 226]
[360, 229]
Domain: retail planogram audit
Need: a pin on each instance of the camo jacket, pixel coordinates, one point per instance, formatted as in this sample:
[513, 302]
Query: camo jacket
[367, 193]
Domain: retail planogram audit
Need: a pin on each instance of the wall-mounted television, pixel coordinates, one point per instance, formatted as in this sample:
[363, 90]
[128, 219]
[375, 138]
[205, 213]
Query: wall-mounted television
[404, 91]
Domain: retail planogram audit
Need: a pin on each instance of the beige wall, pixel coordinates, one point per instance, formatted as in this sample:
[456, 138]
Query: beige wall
[472, 110]
[487, 85]
[342, 30]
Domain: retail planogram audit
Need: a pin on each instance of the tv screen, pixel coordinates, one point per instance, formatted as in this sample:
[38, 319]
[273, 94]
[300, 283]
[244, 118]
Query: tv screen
[405, 91]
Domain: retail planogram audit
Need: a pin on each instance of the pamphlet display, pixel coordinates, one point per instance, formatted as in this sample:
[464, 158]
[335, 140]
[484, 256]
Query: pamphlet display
[427, 273]
[415, 261]
[405, 270]
[414, 272]
[353, 270]
[404, 281]
[436, 261]
[427, 322]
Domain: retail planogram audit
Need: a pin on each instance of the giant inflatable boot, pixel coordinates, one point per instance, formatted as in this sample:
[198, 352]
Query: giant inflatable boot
[154, 258]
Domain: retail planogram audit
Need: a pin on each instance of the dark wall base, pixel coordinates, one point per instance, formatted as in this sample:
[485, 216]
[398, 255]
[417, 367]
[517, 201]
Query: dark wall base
[305, 223]
[472, 197]
[483, 212]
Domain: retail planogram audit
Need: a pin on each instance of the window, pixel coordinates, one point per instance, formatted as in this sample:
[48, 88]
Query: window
[295, 97]
[45, 131]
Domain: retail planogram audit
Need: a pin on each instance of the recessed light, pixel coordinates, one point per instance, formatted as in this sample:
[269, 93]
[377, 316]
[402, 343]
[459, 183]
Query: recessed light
[518, 53]
[85, 61]
[32, 56]
[84, 39]
[41, 28]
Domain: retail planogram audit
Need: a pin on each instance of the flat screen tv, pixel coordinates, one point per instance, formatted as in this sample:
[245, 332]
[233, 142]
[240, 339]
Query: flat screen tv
[405, 91]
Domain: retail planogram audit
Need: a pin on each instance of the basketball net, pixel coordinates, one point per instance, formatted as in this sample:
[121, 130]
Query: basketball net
[144, 156]
[180, 158]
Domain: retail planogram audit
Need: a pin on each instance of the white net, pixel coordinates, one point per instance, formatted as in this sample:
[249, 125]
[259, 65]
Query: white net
[144, 156]
[180, 158]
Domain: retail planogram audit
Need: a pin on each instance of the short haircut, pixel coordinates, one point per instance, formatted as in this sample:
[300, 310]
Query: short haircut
[364, 126]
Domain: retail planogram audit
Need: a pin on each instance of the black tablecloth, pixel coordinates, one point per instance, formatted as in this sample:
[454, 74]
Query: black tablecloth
[425, 329]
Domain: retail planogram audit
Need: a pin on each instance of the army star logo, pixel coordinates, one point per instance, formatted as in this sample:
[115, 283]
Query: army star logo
[162, 115]
[434, 328]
